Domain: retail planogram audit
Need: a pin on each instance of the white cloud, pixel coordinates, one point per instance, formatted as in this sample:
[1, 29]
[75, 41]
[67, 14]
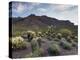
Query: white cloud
[32, 5]
[41, 10]
[60, 7]
[63, 7]
[20, 8]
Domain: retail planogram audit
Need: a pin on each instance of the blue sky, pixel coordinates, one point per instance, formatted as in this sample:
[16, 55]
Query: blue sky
[59, 11]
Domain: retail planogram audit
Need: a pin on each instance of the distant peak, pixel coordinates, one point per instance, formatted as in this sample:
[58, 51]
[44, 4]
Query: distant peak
[32, 15]
[44, 16]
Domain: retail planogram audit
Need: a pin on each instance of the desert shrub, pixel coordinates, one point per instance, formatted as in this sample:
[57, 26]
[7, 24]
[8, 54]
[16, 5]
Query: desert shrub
[72, 36]
[53, 35]
[24, 34]
[74, 44]
[29, 55]
[19, 43]
[30, 35]
[50, 31]
[39, 40]
[69, 39]
[59, 35]
[49, 38]
[37, 53]
[46, 33]
[34, 45]
[65, 32]
[65, 44]
[39, 34]
[76, 39]
[54, 49]
[56, 39]
[17, 33]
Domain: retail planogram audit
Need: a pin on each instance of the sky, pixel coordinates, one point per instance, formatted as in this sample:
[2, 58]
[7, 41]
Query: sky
[58, 11]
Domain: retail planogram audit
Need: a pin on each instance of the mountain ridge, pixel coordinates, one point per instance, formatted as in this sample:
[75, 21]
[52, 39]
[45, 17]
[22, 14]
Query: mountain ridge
[41, 22]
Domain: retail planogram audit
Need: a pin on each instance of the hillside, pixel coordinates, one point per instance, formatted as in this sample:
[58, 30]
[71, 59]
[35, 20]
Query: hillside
[34, 22]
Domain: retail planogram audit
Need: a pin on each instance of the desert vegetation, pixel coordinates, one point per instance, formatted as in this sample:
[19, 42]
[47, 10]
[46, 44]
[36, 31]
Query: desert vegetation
[34, 31]
[44, 43]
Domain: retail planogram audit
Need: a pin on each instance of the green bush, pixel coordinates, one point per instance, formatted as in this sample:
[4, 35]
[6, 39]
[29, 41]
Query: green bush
[69, 39]
[56, 39]
[72, 36]
[76, 39]
[29, 55]
[39, 34]
[19, 43]
[16, 33]
[39, 40]
[31, 35]
[54, 49]
[74, 44]
[37, 53]
[65, 44]
[50, 31]
[34, 45]
[59, 35]
[65, 32]
[53, 35]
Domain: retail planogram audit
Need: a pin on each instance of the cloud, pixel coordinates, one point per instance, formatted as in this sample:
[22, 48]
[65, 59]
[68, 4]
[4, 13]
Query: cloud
[60, 11]
[20, 8]
[30, 6]
[41, 10]
[63, 7]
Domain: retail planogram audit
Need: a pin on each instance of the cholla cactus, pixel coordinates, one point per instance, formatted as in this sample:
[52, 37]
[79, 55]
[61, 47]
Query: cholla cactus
[66, 45]
[76, 39]
[54, 49]
[34, 45]
[59, 35]
[39, 34]
[30, 35]
[65, 32]
[69, 39]
[50, 29]
[16, 40]
[39, 40]
[53, 35]
[18, 43]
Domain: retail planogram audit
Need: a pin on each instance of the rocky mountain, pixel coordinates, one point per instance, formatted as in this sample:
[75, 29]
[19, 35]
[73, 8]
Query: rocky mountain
[34, 21]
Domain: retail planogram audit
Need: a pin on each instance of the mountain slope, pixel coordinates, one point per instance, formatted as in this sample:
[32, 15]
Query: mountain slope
[37, 22]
